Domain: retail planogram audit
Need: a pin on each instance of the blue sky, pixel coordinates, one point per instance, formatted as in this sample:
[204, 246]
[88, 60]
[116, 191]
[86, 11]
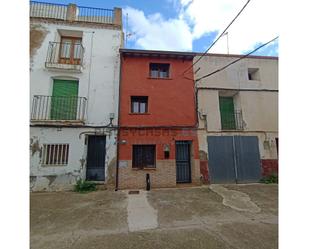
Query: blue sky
[186, 25]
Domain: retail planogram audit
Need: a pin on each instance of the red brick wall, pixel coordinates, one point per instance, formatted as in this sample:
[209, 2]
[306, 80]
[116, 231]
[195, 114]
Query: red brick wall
[164, 174]
[158, 137]
[269, 166]
[170, 101]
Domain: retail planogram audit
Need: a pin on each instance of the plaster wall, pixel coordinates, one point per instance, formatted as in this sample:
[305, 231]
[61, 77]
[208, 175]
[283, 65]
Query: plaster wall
[49, 178]
[99, 79]
[259, 109]
[98, 82]
[257, 99]
[236, 75]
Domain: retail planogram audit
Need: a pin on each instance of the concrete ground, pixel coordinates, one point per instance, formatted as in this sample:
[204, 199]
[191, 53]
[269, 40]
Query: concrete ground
[215, 216]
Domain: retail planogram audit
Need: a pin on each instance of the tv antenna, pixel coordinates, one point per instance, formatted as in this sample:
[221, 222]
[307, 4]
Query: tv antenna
[128, 34]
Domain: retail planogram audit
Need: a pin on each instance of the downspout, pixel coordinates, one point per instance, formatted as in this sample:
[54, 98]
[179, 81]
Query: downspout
[196, 97]
[118, 136]
[89, 74]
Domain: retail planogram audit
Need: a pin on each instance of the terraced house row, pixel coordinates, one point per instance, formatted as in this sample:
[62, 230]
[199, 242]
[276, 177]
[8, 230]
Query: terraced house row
[122, 117]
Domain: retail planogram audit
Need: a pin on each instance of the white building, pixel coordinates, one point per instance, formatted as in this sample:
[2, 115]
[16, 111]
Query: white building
[74, 79]
[238, 117]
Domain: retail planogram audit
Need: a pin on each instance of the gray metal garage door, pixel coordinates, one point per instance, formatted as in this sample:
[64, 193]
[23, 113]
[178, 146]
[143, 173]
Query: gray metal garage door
[221, 159]
[247, 159]
[233, 159]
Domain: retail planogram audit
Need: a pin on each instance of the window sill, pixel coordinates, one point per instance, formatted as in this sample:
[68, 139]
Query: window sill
[144, 168]
[137, 113]
[53, 165]
[155, 78]
[231, 130]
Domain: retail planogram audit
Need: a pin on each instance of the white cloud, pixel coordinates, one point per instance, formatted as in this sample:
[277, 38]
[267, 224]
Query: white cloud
[257, 24]
[155, 32]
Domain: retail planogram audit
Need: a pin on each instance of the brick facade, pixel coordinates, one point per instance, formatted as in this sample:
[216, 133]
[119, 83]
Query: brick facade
[164, 175]
[170, 117]
[269, 167]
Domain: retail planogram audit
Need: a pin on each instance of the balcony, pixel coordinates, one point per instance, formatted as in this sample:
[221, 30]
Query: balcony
[75, 13]
[55, 109]
[65, 55]
[232, 121]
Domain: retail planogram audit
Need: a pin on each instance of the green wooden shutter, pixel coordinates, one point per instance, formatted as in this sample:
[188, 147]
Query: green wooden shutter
[64, 100]
[227, 113]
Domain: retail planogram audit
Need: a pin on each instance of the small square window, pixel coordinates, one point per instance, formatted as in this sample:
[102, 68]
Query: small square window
[139, 104]
[253, 74]
[55, 154]
[159, 70]
[144, 156]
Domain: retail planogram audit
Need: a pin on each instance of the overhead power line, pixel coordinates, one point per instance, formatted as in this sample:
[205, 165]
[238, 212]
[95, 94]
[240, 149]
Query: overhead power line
[223, 32]
[233, 62]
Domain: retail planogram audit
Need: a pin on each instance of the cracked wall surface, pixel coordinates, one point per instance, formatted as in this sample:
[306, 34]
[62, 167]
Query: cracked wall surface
[98, 82]
[62, 178]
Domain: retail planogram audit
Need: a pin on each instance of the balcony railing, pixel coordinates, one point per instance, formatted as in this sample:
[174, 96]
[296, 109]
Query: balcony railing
[232, 121]
[58, 108]
[48, 10]
[64, 55]
[71, 12]
[86, 14]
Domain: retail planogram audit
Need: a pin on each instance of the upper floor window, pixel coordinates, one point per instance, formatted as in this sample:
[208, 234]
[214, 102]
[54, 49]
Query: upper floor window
[159, 70]
[139, 104]
[253, 74]
[70, 50]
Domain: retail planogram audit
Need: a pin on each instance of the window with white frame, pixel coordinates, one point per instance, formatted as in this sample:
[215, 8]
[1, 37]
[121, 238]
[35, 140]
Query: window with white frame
[55, 154]
[159, 70]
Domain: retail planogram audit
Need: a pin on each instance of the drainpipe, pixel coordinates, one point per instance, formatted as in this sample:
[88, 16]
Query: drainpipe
[89, 74]
[118, 130]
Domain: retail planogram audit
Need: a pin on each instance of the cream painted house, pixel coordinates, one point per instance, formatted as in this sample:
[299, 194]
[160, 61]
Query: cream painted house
[74, 80]
[238, 117]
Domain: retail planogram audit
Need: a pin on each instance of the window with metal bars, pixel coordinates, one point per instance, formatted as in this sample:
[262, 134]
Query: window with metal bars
[144, 156]
[55, 154]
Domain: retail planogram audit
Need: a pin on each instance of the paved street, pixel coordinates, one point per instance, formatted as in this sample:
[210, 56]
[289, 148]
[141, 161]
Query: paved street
[216, 216]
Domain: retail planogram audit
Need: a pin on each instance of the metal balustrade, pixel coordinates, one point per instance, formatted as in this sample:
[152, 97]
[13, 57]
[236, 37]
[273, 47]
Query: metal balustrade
[58, 108]
[64, 55]
[48, 10]
[71, 12]
[232, 121]
[98, 15]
